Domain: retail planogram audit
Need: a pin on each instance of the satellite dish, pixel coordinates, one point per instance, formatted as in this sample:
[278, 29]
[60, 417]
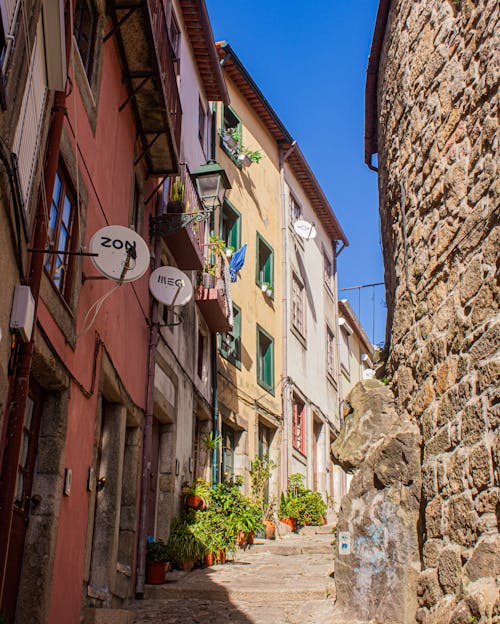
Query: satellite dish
[305, 229]
[115, 246]
[170, 286]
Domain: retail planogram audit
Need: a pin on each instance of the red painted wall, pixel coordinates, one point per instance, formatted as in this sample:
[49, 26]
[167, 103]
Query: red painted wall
[108, 155]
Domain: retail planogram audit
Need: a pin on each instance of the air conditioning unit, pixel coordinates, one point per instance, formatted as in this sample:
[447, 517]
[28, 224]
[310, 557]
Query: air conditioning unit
[23, 312]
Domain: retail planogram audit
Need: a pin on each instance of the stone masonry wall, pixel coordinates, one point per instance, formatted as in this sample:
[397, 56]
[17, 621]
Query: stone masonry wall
[439, 189]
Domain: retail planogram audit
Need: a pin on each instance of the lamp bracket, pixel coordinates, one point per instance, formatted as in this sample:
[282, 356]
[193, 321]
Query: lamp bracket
[172, 222]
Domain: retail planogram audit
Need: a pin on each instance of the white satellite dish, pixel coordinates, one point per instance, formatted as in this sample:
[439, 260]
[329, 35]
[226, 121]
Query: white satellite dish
[170, 286]
[116, 246]
[305, 229]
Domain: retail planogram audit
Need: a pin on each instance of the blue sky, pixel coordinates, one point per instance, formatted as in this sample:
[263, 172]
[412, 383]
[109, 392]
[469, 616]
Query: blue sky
[309, 59]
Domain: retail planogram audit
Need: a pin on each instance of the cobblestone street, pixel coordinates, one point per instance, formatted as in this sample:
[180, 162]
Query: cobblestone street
[286, 581]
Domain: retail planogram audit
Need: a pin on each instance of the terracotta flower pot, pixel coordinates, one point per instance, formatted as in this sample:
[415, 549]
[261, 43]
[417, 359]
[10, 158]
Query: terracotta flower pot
[291, 522]
[209, 559]
[155, 572]
[241, 539]
[220, 556]
[187, 565]
[270, 529]
[195, 502]
[250, 537]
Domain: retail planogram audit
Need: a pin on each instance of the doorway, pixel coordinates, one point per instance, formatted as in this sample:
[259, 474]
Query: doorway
[23, 500]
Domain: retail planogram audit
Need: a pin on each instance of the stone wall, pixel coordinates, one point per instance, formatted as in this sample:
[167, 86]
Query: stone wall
[439, 190]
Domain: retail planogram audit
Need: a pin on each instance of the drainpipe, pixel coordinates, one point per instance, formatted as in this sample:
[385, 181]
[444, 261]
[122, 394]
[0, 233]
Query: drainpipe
[215, 409]
[283, 155]
[19, 386]
[147, 446]
[336, 254]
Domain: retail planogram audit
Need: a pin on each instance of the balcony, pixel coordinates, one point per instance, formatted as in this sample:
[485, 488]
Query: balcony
[213, 298]
[187, 220]
[148, 70]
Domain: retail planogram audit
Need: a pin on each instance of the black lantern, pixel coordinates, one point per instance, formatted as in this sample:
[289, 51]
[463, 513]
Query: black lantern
[212, 184]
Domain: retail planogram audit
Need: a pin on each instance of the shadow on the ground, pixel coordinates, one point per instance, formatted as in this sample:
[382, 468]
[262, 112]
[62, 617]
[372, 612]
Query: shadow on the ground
[189, 598]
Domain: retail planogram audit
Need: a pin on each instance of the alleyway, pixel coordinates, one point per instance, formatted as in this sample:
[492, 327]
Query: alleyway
[286, 581]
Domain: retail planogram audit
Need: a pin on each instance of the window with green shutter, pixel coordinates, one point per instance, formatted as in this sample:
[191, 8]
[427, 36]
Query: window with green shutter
[265, 360]
[230, 342]
[230, 226]
[265, 262]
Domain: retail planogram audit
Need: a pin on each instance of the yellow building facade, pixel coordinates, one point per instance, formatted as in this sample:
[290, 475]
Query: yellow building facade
[250, 357]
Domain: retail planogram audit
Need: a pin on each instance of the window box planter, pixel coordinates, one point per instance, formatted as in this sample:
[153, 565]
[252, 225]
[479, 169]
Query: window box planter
[229, 141]
[244, 159]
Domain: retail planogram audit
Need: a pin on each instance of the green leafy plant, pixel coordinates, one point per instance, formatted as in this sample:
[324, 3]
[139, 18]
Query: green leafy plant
[217, 245]
[304, 506]
[183, 543]
[177, 191]
[157, 551]
[235, 133]
[210, 441]
[200, 488]
[254, 155]
[260, 473]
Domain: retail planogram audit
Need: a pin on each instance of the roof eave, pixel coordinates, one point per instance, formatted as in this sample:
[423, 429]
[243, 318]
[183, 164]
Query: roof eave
[371, 103]
[219, 93]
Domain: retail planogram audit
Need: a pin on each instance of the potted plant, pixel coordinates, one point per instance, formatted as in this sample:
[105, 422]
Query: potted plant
[254, 156]
[268, 521]
[157, 556]
[197, 495]
[175, 203]
[229, 139]
[183, 544]
[208, 279]
[244, 159]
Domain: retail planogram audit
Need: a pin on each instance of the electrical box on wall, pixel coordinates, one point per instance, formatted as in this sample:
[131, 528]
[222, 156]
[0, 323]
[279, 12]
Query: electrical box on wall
[23, 312]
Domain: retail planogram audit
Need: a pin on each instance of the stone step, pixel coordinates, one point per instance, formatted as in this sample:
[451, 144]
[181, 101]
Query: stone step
[254, 594]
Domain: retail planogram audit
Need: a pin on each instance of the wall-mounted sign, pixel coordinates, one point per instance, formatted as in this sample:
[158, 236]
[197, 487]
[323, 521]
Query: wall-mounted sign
[344, 543]
[305, 229]
[170, 286]
[121, 253]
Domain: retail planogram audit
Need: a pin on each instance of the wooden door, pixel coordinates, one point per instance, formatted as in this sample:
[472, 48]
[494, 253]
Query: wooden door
[23, 500]
[153, 478]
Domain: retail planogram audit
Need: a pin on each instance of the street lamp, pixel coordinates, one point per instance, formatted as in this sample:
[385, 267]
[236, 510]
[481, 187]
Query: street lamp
[212, 183]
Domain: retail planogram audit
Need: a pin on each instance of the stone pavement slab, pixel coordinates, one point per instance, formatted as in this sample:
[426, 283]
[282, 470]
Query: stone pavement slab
[287, 581]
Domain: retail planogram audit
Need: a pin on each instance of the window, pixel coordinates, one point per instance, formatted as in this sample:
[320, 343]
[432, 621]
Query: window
[298, 425]
[330, 352]
[264, 262]
[228, 445]
[174, 33]
[327, 271]
[62, 234]
[230, 226]
[231, 124]
[295, 209]
[344, 348]
[84, 31]
[231, 121]
[202, 119]
[265, 360]
[298, 306]
[230, 342]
